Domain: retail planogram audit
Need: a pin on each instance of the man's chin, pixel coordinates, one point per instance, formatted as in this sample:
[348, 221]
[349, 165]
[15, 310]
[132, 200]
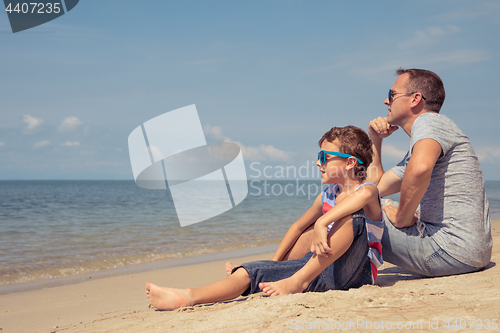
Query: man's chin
[389, 120]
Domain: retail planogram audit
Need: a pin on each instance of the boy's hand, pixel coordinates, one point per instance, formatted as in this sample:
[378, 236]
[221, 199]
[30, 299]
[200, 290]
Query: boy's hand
[319, 244]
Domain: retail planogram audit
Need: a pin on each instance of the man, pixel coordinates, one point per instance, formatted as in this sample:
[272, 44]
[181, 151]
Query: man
[442, 225]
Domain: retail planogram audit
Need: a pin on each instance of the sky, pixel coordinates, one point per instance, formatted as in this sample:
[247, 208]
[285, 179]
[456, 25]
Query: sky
[271, 76]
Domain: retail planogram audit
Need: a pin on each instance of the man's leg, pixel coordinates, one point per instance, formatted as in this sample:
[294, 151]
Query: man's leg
[418, 254]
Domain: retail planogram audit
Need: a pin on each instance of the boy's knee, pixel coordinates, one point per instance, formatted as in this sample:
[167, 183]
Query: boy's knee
[346, 220]
[343, 223]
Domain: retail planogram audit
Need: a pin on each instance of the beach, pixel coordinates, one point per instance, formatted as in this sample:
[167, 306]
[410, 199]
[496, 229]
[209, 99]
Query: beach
[398, 300]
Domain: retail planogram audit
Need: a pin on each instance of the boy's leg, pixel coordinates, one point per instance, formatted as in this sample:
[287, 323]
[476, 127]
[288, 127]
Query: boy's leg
[302, 246]
[222, 290]
[298, 250]
[341, 237]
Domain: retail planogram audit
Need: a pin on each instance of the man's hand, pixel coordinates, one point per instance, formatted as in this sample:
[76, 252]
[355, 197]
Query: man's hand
[379, 128]
[391, 213]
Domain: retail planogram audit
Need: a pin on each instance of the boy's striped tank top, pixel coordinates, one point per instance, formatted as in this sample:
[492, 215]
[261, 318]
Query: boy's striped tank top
[375, 229]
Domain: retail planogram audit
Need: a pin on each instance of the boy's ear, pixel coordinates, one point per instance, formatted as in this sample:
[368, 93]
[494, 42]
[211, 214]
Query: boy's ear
[351, 163]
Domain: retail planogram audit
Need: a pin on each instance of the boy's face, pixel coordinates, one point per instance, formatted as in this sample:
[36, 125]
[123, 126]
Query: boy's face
[334, 168]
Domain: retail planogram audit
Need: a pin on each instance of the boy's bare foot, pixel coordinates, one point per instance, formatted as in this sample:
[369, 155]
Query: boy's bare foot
[229, 268]
[167, 298]
[281, 287]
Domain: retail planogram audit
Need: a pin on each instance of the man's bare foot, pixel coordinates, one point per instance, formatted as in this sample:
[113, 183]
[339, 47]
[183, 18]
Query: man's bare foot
[281, 287]
[167, 298]
[229, 268]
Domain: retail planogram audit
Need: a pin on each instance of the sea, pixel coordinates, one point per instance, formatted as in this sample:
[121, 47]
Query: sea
[51, 229]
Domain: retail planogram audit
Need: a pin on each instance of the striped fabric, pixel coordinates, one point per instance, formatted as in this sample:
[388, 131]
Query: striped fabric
[374, 229]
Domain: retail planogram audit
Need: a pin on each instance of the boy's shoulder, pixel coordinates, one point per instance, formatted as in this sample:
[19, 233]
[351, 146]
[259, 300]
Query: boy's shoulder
[331, 189]
[368, 189]
[371, 186]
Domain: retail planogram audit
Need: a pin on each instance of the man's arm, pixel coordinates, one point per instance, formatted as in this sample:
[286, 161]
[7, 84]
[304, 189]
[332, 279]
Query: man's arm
[389, 184]
[416, 180]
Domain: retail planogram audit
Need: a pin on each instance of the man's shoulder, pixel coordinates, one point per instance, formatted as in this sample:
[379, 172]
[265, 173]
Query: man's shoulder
[436, 124]
[433, 119]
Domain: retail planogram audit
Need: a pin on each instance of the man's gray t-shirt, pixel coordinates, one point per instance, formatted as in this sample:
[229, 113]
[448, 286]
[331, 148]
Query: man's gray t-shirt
[454, 208]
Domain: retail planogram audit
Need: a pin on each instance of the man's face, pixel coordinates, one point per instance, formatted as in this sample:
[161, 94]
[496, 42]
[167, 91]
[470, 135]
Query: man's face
[400, 105]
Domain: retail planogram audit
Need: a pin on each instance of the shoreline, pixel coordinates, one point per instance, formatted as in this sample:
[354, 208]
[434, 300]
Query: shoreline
[156, 265]
[139, 268]
[118, 303]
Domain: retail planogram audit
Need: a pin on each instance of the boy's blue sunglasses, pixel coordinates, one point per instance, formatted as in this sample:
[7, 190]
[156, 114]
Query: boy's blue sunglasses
[322, 156]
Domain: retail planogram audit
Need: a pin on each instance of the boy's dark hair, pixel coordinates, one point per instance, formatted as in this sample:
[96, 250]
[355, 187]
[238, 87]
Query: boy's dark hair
[353, 141]
[429, 84]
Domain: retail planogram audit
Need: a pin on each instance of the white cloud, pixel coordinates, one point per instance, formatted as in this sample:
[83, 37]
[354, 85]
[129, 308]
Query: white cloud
[429, 36]
[392, 152]
[458, 57]
[260, 153]
[263, 152]
[71, 143]
[32, 122]
[157, 154]
[214, 131]
[488, 154]
[69, 124]
[410, 52]
[41, 144]
[484, 9]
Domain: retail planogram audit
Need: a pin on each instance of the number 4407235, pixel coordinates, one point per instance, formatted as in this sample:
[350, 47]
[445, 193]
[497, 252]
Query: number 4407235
[34, 8]
[472, 324]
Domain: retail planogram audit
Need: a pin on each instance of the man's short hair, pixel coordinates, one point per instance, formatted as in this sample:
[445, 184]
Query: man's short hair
[428, 83]
[353, 141]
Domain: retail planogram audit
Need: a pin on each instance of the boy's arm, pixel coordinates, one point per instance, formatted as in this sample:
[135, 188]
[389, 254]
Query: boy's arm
[349, 205]
[294, 232]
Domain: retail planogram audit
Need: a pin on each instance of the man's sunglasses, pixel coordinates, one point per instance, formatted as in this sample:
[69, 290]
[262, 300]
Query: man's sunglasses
[322, 156]
[392, 93]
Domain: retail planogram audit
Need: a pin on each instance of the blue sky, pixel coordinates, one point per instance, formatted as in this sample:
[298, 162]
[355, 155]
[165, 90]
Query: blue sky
[272, 76]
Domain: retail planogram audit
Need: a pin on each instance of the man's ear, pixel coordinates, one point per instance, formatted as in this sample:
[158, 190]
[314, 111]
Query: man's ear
[417, 98]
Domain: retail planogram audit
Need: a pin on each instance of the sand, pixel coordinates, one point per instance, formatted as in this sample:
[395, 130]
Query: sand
[399, 300]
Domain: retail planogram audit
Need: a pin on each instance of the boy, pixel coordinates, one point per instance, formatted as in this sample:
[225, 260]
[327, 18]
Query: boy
[340, 256]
